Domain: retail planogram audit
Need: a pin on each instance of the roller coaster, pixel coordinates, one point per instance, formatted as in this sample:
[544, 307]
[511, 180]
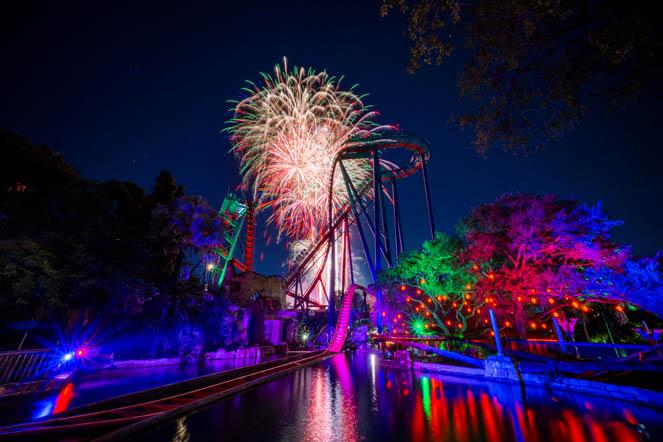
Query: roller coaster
[326, 268]
[115, 418]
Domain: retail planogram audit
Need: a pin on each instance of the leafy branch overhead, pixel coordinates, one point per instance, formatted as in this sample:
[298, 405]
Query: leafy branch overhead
[535, 68]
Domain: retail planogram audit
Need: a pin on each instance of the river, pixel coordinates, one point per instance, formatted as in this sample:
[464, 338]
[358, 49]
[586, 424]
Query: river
[353, 397]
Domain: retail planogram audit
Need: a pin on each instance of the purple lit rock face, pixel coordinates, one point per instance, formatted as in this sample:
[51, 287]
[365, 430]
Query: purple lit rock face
[351, 397]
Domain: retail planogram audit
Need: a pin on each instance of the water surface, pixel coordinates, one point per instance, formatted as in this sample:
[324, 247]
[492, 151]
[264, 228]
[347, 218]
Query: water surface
[352, 397]
[103, 384]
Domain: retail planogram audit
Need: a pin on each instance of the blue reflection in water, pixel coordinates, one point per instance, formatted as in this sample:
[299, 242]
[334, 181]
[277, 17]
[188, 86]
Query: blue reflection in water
[352, 397]
[103, 384]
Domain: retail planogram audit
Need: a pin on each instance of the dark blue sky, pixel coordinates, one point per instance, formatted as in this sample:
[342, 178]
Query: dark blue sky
[124, 91]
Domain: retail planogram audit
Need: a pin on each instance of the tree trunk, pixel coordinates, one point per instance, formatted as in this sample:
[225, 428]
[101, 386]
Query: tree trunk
[584, 327]
[520, 320]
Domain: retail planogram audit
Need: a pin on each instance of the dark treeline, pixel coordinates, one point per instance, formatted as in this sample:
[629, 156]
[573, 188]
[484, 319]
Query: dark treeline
[75, 252]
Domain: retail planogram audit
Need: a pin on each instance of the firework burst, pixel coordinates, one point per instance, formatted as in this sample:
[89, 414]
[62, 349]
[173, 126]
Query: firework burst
[286, 134]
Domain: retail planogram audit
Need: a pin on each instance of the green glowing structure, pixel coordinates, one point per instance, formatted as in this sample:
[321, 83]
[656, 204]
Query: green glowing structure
[232, 212]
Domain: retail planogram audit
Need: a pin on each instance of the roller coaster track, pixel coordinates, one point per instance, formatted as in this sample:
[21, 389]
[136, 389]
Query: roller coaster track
[357, 149]
[116, 418]
[119, 417]
[341, 328]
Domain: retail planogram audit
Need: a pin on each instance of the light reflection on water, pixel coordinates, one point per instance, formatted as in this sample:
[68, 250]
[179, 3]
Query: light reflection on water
[95, 386]
[353, 398]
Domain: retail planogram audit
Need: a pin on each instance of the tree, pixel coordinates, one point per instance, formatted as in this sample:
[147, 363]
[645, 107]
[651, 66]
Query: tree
[165, 189]
[187, 224]
[639, 283]
[536, 66]
[429, 291]
[71, 247]
[533, 255]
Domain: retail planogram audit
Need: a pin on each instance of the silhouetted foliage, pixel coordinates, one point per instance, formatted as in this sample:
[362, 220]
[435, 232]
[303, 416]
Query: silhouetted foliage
[72, 250]
[535, 66]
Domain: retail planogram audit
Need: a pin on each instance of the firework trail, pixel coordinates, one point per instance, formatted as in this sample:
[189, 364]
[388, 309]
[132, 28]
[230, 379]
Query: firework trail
[286, 134]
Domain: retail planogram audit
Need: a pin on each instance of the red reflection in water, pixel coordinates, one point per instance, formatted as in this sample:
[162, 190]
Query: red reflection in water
[489, 417]
[460, 419]
[472, 407]
[576, 433]
[332, 411]
[622, 432]
[64, 398]
[629, 417]
[531, 425]
[418, 422]
[596, 430]
[462, 413]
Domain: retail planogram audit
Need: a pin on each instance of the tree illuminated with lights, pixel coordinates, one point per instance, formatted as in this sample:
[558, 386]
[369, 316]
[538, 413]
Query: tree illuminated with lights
[532, 256]
[530, 259]
[429, 291]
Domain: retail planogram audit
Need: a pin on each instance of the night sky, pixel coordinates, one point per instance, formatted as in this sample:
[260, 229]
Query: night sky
[124, 91]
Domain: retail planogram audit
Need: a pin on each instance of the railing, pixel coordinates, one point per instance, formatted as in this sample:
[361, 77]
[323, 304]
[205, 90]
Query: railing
[24, 365]
[459, 350]
[581, 350]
